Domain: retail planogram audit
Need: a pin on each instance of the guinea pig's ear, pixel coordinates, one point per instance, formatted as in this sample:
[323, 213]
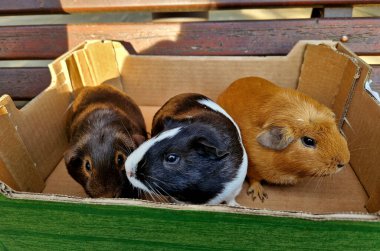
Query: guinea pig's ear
[71, 159]
[276, 138]
[138, 139]
[73, 164]
[204, 147]
[68, 156]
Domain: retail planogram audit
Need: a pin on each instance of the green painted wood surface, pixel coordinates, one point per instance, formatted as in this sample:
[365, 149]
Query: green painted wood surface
[40, 225]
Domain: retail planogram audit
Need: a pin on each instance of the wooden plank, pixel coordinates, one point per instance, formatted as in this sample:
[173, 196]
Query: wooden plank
[26, 83]
[68, 6]
[270, 37]
[23, 83]
[33, 42]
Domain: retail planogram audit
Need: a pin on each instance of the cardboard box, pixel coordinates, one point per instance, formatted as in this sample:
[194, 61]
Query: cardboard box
[32, 140]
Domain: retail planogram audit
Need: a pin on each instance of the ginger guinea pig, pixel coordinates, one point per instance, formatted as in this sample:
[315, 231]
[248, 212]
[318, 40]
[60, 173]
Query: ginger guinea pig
[103, 127]
[196, 154]
[287, 135]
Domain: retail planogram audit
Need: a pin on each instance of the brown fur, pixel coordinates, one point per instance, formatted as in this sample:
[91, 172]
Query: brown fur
[258, 106]
[104, 126]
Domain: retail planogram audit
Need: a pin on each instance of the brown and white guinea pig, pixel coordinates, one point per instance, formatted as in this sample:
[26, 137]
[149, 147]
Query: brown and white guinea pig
[103, 127]
[196, 155]
[287, 135]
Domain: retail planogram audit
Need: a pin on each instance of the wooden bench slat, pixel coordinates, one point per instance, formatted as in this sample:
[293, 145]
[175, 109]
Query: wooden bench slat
[15, 7]
[26, 83]
[271, 37]
[23, 83]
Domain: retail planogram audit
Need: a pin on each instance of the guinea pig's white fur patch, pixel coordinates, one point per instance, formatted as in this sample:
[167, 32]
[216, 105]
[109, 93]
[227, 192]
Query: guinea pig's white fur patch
[135, 157]
[214, 106]
[232, 189]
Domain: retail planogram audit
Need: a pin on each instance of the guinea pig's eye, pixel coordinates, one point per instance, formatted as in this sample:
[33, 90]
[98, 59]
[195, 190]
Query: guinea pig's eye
[308, 142]
[120, 158]
[87, 165]
[172, 158]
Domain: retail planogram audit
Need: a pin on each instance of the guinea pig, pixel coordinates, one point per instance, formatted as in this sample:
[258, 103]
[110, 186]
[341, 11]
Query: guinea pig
[196, 155]
[287, 134]
[103, 127]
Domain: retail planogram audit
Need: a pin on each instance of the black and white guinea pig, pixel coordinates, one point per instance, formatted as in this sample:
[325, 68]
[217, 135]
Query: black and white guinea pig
[196, 155]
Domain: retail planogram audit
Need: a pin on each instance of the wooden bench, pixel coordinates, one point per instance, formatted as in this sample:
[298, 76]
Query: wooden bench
[330, 20]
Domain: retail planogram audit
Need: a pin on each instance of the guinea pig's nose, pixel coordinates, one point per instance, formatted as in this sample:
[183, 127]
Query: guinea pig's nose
[340, 165]
[130, 174]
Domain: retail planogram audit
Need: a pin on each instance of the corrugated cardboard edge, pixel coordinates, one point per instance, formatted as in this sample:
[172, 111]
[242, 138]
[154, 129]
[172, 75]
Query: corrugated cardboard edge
[343, 50]
[362, 97]
[11, 194]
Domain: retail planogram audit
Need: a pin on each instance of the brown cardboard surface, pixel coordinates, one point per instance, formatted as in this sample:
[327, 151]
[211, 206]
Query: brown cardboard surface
[327, 77]
[84, 71]
[362, 128]
[102, 64]
[152, 80]
[75, 76]
[349, 81]
[6, 176]
[339, 193]
[148, 112]
[121, 54]
[363, 132]
[42, 123]
[21, 169]
[60, 182]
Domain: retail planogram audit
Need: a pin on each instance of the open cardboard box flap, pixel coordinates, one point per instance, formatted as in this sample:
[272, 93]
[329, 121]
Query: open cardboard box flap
[33, 139]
